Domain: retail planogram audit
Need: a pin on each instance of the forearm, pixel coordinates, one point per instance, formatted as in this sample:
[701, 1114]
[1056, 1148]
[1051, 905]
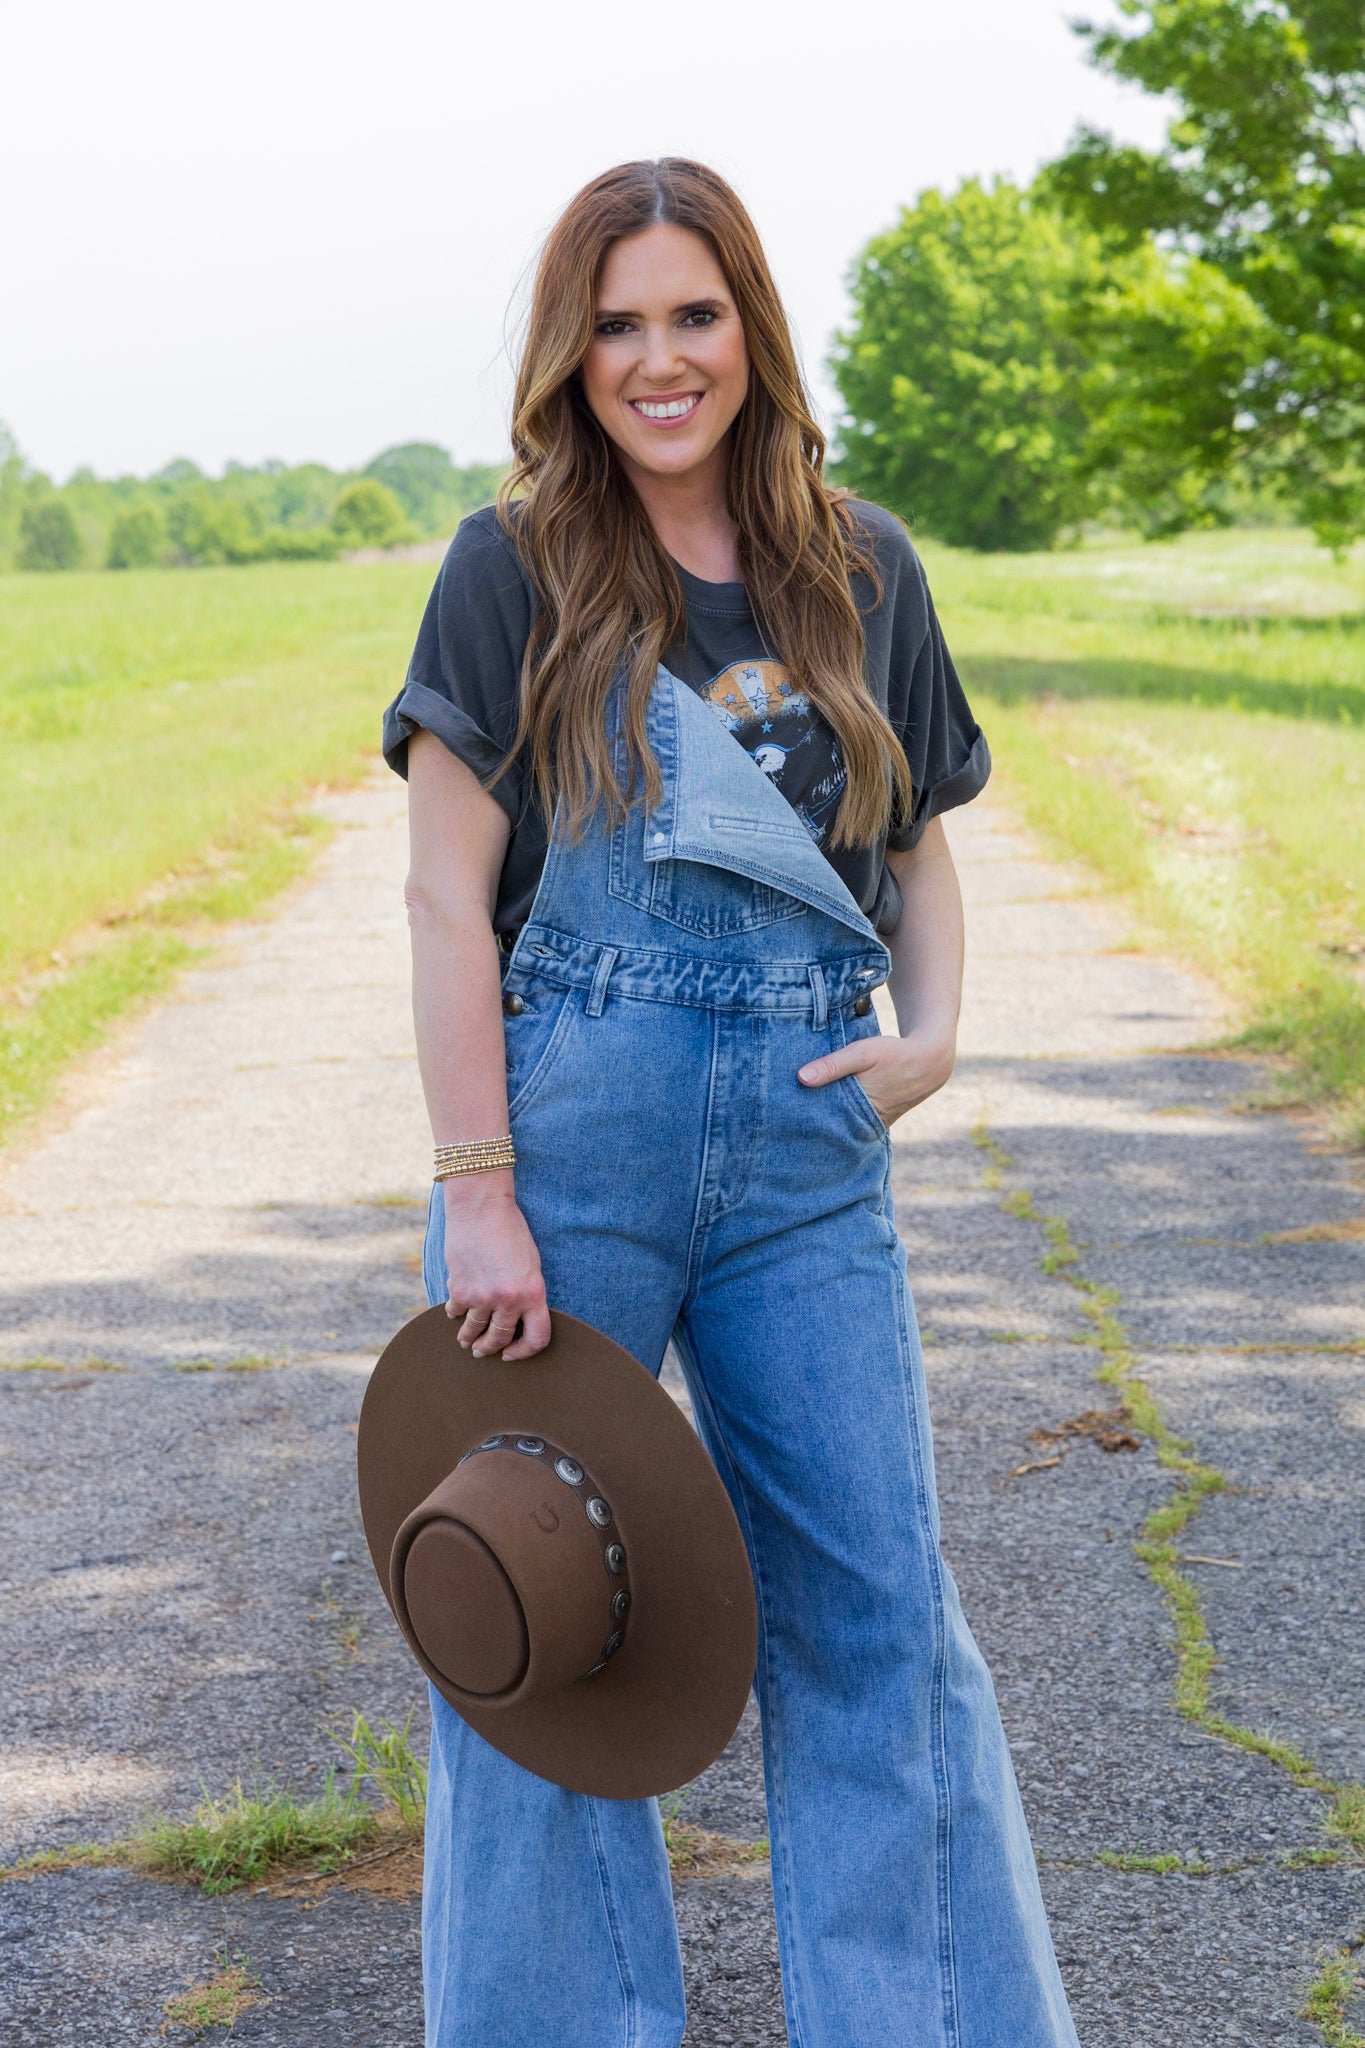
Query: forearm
[457, 1019]
[925, 981]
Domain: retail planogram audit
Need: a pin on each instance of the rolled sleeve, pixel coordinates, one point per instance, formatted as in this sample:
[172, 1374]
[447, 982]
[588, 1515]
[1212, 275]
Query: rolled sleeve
[464, 680]
[927, 706]
[959, 787]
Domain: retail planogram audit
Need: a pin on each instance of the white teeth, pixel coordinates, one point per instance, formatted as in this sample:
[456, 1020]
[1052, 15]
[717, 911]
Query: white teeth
[672, 409]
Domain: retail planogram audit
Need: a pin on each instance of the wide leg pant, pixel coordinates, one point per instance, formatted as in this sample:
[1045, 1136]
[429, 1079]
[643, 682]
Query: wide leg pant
[680, 1182]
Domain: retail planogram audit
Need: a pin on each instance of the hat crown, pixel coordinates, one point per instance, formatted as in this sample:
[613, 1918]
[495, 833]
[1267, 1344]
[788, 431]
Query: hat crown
[502, 1579]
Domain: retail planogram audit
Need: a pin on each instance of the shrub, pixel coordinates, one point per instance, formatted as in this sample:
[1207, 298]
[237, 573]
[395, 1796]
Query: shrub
[301, 544]
[137, 538]
[206, 529]
[49, 537]
[368, 515]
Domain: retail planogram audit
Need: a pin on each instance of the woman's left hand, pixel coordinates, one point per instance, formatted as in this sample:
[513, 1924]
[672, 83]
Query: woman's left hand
[895, 1073]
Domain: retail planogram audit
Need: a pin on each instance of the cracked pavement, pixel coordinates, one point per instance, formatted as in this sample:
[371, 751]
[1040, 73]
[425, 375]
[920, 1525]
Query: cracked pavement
[186, 1592]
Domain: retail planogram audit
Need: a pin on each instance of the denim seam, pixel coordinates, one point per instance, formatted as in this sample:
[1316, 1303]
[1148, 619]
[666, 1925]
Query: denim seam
[771, 1711]
[701, 1216]
[939, 1757]
[623, 1976]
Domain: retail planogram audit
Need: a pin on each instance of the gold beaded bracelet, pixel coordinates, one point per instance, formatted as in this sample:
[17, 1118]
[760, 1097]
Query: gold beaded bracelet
[477, 1156]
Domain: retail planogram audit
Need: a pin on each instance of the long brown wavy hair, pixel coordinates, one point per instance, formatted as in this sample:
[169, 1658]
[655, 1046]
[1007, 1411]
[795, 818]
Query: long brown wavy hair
[607, 587]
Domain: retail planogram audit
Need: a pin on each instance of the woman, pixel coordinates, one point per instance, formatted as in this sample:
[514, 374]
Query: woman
[669, 1007]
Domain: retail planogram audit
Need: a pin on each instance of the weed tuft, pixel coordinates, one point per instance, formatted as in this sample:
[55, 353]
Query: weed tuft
[218, 2002]
[238, 1838]
[1160, 1866]
[387, 1760]
[1330, 1994]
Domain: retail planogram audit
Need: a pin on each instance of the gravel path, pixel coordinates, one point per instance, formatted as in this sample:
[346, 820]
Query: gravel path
[227, 1214]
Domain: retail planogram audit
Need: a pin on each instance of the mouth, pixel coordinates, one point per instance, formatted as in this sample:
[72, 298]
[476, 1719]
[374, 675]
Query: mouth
[667, 412]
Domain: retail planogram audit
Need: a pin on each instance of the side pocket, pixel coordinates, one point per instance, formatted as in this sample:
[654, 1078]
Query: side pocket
[847, 1031]
[535, 1038]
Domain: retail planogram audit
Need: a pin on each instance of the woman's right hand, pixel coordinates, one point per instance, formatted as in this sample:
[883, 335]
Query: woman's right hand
[494, 1271]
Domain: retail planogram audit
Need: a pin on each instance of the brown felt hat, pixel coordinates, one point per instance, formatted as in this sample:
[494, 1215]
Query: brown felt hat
[560, 1555]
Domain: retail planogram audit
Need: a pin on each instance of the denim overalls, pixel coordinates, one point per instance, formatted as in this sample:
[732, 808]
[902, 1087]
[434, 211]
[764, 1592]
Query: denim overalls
[680, 1182]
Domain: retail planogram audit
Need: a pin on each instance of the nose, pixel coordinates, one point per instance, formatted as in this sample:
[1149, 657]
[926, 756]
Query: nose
[659, 360]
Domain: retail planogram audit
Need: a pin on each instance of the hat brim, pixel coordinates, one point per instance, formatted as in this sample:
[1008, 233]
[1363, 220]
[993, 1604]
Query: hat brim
[669, 1701]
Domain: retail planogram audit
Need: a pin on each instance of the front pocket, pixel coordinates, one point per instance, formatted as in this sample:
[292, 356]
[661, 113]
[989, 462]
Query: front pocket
[535, 1038]
[848, 1031]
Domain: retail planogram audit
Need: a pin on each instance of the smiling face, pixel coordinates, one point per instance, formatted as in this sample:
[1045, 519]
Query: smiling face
[667, 368]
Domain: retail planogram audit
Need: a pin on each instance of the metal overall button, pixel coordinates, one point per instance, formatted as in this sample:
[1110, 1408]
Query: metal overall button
[862, 1006]
[513, 1003]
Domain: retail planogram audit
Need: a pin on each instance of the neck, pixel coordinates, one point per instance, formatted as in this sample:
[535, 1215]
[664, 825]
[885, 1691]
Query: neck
[690, 517]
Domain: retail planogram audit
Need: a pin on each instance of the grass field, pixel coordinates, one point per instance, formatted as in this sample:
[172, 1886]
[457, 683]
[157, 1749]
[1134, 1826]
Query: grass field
[1187, 719]
[158, 733]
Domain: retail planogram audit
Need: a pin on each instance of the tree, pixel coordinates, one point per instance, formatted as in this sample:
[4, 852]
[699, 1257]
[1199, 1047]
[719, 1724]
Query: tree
[368, 515]
[49, 537]
[969, 396]
[1262, 179]
[137, 539]
[1167, 336]
[421, 476]
[432, 491]
[207, 528]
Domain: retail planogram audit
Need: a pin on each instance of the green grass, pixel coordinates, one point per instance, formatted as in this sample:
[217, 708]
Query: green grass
[245, 1835]
[240, 1838]
[159, 733]
[219, 2001]
[1186, 719]
[386, 1758]
[1188, 722]
[1336, 1987]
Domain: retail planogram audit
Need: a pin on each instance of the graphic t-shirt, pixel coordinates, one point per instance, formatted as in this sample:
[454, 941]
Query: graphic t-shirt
[464, 680]
[723, 657]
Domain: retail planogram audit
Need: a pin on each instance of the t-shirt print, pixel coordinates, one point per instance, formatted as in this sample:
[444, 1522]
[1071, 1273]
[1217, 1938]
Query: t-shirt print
[777, 724]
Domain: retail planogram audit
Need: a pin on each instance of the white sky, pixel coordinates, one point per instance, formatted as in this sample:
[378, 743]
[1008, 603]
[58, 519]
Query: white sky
[294, 227]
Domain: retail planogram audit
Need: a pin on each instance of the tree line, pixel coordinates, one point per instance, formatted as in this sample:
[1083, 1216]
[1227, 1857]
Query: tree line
[1161, 338]
[1154, 339]
[273, 512]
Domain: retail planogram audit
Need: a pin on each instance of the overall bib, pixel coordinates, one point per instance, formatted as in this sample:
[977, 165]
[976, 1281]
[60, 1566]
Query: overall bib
[680, 1182]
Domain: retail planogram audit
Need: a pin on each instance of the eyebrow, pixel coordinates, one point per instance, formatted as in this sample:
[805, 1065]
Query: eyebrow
[686, 306]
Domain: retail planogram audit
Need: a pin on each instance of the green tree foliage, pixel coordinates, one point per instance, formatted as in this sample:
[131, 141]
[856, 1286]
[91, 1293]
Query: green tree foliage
[271, 512]
[13, 483]
[1262, 179]
[969, 395]
[49, 537]
[368, 515]
[1166, 335]
[432, 491]
[137, 538]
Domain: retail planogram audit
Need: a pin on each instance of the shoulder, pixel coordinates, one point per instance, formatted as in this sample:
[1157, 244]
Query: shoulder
[483, 561]
[905, 588]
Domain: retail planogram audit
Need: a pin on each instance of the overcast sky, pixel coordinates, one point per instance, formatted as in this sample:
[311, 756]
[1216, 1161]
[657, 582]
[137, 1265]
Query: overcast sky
[288, 228]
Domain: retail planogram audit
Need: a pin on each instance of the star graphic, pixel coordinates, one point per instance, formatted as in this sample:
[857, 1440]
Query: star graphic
[767, 725]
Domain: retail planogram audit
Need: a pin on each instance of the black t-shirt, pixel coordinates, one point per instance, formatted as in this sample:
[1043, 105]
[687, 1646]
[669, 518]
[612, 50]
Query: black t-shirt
[464, 680]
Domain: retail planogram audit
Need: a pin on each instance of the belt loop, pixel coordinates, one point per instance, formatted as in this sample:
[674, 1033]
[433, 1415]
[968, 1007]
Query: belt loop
[597, 994]
[819, 997]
